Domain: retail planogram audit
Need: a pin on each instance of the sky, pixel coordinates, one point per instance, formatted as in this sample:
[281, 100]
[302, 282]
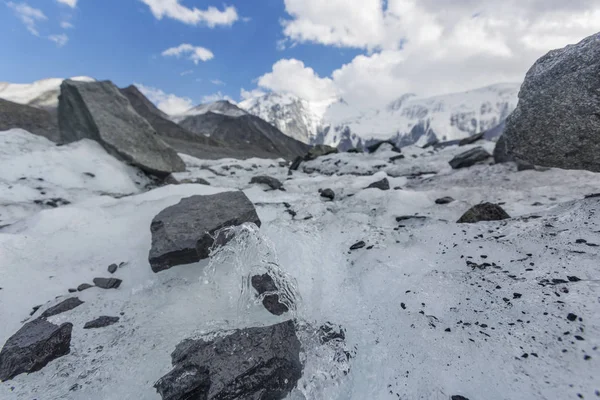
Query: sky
[368, 52]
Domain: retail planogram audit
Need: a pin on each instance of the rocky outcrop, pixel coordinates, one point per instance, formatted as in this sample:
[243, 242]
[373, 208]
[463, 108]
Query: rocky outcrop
[252, 364]
[484, 212]
[273, 183]
[557, 120]
[33, 120]
[469, 158]
[98, 111]
[183, 233]
[33, 346]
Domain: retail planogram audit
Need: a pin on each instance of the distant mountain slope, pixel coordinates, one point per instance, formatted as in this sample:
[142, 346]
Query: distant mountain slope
[223, 107]
[31, 119]
[43, 93]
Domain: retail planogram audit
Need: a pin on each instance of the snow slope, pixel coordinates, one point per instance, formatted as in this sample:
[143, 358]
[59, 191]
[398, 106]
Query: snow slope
[421, 323]
[43, 93]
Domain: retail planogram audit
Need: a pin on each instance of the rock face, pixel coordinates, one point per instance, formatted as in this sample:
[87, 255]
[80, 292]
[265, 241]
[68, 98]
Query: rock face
[33, 120]
[98, 111]
[182, 234]
[271, 182]
[101, 322]
[263, 284]
[383, 184]
[501, 154]
[62, 307]
[469, 158]
[557, 120]
[484, 212]
[33, 346]
[250, 364]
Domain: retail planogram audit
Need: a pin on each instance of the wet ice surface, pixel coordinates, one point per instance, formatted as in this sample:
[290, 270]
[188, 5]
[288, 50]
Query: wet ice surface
[421, 320]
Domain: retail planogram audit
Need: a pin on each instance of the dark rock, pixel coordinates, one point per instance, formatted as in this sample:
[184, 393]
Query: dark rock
[253, 363]
[84, 286]
[182, 234]
[171, 180]
[444, 200]
[329, 332]
[398, 157]
[271, 182]
[263, 284]
[458, 397]
[98, 111]
[319, 150]
[33, 120]
[383, 184]
[557, 119]
[296, 163]
[33, 346]
[374, 147]
[62, 307]
[572, 317]
[469, 158]
[409, 217]
[89, 174]
[524, 166]
[72, 290]
[112, 268]
[107, 283]
[501, 154]
[484, 212]
[355, 150]
[358, 245]
[471, 139]
[328, 194]
[101, 322]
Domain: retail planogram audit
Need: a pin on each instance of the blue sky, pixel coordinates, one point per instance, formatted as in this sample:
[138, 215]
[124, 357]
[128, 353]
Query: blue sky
[368, 52]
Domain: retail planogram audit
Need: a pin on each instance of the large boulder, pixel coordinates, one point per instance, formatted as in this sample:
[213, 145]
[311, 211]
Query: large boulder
[33, 346]
[483, 212]
[98, 111]
[557, 120]
[469, 158]
[250, 364]
[33, 120]
[183, 233]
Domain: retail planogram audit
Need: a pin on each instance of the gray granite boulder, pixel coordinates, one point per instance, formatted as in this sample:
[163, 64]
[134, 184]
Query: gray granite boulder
[557, 120]
[483, 212]
[182, 233]
[63, 306]
[469, 158]
[98, 111]
[250, 364]
[33, 346]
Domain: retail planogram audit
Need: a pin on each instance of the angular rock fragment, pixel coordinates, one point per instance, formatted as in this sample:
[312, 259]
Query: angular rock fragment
[107, 283]
[328, 194]
[101, 322]
[383, 184]
[469, 158]
[271, 182]
[63, 306]
[444, 200]
[484, 212]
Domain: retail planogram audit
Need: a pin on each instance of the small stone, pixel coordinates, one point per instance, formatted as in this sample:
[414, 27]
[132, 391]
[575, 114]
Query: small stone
[573, 279]
[271, 182]
[469, 158]
[458, 397]
[84, 286]
[72, 290]
[89, 174]
[101, 322]
[444, 200]
[383, 184]
[517, 295]
[263, 284]
[112, 268]
[572, 317]
[107, 283]
[484, 212]
[358, 245]
[328, 194]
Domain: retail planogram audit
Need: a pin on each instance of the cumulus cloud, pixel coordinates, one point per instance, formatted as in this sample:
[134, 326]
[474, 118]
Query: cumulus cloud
[426, 47]
[167, 103]
[194, 53]
[70, 3]
[60, 40]
[250, 94]
[211, 98]
[211, 17]
[28, 15]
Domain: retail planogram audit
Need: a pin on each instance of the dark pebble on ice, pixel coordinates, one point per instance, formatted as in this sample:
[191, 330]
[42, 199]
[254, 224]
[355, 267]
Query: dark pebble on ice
[572, 317]
[107, 283]
[358, 245]
[84, 286]
[112, 268]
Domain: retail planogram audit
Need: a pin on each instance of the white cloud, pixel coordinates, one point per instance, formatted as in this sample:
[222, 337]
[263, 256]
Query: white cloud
[28, 15]
[211, 98]
[66, 25]
[194, 53]
[426, 47]
[60, 40]
[188, 72]
[167, 103]
[70, 3]
[217, 82]
[211, 17]
[250, 94]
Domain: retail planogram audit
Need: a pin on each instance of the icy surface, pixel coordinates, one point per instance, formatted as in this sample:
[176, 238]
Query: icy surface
[396, 300]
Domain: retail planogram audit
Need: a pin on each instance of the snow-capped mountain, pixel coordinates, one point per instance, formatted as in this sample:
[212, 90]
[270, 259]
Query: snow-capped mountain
[43, 93]
[409, 119]
[294, 116]
[223, 107]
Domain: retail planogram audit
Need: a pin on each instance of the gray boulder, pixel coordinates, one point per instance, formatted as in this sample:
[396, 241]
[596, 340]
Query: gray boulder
[483, 212]
[263, 284]
[271, 182]
[63, 306]
[328, 194]
[107, 283]
[101, 322]
[557, 120]
[444, 200]
[98, 111]
[182, 234]
[33, 346]
[33, 120]
[250, 364]
[383, 184]
[469, 158]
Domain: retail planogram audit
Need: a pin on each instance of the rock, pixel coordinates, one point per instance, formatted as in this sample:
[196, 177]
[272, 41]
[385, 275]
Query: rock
[358, 245]
[98, 111]
[319, 150]
[374, 147]
[181, 234]
[62, 307]
[458, 397]
[524, 166]
[409, 217]
[557, 119]
[501, 151]
[112, 268]
[171, 180]
[471, 139]
[296, 163]
[101, 322]
[469, 158]
[264, 283]
[329, 332]
[252, 364]
[328, 194]
[383, 184]
[107, 283]
[355, 150]
[33, 346]
[84, 286]
[444, 200]
[271, 182]
[484, 212]
[72, 290]
[33, 120]
[398, 157]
